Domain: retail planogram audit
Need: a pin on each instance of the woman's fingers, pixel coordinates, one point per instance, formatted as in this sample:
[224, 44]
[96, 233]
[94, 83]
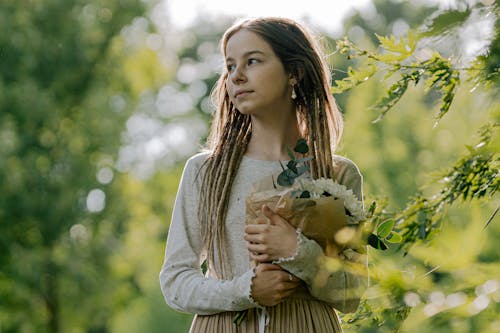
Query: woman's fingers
[274, 218]
[271, 241]
[271, 284]
[255, 238]
[256, 248]
[271, 215]
[257, 228]
[268, 267]
[260, 257]
[289, 279]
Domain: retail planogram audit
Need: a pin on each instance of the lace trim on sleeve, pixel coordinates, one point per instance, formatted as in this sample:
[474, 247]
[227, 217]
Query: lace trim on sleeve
[249, 292]
[299, 243]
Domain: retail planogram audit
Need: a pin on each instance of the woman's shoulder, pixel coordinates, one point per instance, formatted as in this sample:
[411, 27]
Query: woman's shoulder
[342, 167]
[347, 173]
[344, 162]
[196, 161]
[193, 166]
[198, 158]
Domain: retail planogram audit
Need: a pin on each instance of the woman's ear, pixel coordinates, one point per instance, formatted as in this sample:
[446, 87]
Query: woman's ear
[296, 74]
[300, 72]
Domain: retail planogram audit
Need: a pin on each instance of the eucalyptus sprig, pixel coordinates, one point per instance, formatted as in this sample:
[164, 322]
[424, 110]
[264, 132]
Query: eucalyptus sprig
[295, 167]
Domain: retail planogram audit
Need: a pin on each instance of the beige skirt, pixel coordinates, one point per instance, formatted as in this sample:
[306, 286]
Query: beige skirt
[290, 316]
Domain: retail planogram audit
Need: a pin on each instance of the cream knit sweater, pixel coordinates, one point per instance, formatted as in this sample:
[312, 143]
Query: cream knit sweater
[184, 286]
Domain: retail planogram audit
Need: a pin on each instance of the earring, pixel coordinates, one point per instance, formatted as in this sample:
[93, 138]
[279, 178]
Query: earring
[294, 94]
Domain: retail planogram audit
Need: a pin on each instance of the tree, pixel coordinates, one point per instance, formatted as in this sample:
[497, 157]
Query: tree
[63, 102]
[436, 295]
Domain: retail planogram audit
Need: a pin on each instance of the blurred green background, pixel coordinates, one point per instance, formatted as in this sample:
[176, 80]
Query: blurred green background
[101, 102]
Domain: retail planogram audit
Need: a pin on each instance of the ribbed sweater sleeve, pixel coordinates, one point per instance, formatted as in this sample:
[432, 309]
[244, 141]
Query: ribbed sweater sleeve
[184, 286]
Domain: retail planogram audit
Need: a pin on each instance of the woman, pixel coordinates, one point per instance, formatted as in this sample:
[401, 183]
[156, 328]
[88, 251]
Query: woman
[274, 90]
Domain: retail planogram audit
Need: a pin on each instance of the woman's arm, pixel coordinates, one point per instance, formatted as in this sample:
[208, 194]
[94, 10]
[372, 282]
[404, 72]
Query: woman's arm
[182, 282]
[325, 277]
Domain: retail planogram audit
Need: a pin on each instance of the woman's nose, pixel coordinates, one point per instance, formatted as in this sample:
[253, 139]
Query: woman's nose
[238, 75]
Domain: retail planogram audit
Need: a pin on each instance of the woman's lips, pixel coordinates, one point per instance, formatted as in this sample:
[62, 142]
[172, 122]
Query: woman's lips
[242, 93]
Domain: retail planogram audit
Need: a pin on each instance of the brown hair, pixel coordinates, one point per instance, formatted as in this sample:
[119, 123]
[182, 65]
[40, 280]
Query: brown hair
[318, 116]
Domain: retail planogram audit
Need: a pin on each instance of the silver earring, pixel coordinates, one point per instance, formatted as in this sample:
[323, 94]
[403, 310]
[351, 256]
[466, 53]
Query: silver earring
[294, 94]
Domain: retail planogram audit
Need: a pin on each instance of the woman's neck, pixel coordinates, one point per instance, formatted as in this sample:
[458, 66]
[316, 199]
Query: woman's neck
[270, 140]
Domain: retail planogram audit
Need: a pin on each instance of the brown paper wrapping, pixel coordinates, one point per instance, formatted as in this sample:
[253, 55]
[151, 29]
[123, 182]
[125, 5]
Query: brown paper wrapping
[318, 219]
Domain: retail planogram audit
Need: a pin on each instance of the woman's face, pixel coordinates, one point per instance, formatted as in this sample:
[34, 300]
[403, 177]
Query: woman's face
[257, 82]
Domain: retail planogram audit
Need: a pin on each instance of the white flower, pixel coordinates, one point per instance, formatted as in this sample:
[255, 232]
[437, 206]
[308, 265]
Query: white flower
[316, 188]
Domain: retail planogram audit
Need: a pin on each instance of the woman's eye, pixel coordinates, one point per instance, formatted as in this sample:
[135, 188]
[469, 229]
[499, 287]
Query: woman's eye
[230, 67]
[252, 61]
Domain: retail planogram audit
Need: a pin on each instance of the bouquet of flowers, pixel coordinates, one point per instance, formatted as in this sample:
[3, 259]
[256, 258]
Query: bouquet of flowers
[322, 209]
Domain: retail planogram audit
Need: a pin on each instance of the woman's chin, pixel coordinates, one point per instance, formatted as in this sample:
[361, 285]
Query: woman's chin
[246, 111]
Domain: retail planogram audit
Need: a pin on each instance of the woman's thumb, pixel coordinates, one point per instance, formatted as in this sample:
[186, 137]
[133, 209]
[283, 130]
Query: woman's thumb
[269, 213]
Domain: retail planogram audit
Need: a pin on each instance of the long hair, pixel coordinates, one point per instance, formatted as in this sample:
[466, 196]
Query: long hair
[319, 119]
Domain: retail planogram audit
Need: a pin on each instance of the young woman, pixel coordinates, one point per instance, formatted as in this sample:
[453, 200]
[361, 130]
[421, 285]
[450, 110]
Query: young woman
[275, 89]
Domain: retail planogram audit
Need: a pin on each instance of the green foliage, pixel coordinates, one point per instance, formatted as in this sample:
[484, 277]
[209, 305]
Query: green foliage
[437, 72]
[438, 284]
[354, 78]
[64, 268]
[383, 228]
[473, 177]
[397, 56]
[395, 92]
[59, 73]
[396, 50]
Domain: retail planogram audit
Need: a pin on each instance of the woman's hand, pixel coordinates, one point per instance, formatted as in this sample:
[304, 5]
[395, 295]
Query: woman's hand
[272, 285]
[270, 241]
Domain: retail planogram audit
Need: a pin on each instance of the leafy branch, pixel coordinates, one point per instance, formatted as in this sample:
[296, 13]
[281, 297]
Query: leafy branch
[474, 176]
[397, 56]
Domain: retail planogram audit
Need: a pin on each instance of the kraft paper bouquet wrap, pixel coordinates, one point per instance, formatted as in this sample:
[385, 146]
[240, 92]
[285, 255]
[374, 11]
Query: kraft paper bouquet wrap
[324, 216]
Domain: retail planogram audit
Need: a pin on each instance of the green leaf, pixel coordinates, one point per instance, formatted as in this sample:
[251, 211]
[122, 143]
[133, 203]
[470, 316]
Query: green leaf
[372, 208]
[394, 238]
[302, 169]
[292, 165]
[376, 242]
[301, 146]
[385, 228]
[422, 231]
[204, 267]
[286, 178]
[399, 49]
[305, 194]
[354, 78]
